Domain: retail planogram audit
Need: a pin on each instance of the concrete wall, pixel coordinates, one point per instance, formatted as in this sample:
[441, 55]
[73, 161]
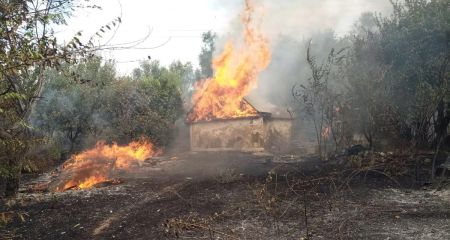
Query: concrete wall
[278, 135]
[242, 135]
[228, 135]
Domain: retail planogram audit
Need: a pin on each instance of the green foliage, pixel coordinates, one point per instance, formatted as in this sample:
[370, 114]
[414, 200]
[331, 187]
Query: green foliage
[393, 83]
[398, 73]
[187, 77]
[28, 47]
[319, 99]
[206, 55]
[107, 107]
[415, 43]
[66, 107]
[149, 105]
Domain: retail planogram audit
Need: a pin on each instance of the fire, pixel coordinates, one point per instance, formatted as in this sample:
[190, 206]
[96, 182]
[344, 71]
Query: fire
[97, 165]
[236, 72]
[326, 132]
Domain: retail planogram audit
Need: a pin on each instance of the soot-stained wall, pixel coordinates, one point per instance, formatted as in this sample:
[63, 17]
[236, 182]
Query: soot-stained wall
[224, 135]
[257, 134]
[278, 135]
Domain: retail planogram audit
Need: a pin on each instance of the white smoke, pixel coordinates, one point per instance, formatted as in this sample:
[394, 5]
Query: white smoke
[289, 25]
[303, 18]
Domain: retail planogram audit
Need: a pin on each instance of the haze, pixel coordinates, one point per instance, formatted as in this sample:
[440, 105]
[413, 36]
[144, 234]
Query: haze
[178, 25]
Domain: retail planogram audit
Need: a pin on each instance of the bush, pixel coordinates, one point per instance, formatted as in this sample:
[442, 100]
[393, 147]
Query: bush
[102, 106]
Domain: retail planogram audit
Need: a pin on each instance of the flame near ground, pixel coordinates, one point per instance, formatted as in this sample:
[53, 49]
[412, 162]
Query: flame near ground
[98, 164]
[236, 72]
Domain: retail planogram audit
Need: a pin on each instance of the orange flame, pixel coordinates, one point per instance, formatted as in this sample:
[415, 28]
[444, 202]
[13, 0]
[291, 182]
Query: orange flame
[326, 132]
[235, 74]
[96, 165]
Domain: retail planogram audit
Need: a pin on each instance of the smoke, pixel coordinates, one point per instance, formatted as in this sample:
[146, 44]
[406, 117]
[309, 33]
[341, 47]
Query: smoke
[289, 26]
[303, 18]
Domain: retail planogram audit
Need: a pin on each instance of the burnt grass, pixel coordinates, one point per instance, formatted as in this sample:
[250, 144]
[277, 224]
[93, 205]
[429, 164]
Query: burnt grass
[293, 199]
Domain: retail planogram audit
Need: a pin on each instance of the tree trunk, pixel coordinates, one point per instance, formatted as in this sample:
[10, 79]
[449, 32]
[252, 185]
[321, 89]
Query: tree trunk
[442, 122]
[12, 185]
[15, 151]
[440, 129]
[12, 181]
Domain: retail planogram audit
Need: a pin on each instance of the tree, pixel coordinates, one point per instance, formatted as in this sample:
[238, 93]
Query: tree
[110, 108]
[146, 106]
[71, 109]
[27, 48]
[319, 99]
[206, 55]
[368, 92]
[396, 75]
[416, 44]
[185, 72]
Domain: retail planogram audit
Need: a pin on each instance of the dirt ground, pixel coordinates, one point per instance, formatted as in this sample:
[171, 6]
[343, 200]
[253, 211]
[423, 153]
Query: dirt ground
[234, 196]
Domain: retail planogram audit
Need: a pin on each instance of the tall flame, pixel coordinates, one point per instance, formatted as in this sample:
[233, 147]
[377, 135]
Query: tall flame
[236, 72]
[97, 165]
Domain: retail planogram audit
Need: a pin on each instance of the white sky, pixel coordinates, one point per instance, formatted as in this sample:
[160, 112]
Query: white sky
[183, 22]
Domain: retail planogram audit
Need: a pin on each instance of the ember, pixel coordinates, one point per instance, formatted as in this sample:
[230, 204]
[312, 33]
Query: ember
[326, 132]
[97, 165]
[236, 71]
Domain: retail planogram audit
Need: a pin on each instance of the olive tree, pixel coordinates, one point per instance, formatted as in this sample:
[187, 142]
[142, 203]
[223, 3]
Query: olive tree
[28, 46]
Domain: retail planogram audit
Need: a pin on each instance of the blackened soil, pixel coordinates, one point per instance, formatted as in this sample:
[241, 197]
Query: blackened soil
[293, 201]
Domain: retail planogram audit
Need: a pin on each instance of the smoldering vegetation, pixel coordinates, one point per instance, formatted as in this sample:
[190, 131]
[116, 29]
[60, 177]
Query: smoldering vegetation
[86, 103]
[370, 152]
[293, 28]
[349, 79]
[290, 26]
[380, 81]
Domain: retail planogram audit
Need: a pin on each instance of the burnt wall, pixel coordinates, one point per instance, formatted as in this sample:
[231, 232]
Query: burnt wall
[228, 135]
[278, 135]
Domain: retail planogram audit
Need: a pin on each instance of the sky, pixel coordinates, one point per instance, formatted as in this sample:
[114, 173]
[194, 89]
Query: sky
[175, 26]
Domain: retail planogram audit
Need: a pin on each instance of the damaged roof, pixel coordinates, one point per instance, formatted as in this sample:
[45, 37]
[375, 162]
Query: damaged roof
[261, 107]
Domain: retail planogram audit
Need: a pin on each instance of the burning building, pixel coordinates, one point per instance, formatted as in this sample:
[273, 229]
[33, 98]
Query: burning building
[260, 131]
[221, 117]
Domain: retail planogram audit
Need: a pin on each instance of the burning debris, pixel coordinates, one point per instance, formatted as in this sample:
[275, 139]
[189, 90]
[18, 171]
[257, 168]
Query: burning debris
[97, 165]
